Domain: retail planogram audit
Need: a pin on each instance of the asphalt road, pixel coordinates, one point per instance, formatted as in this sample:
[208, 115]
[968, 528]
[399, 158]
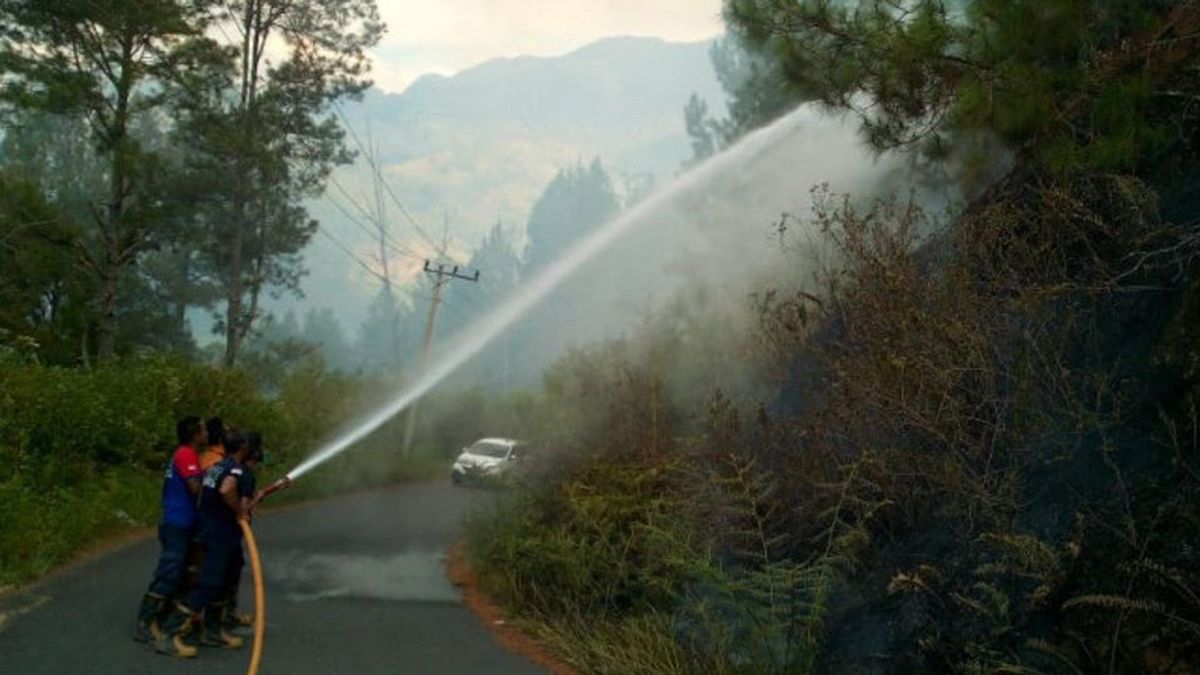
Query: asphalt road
[354, 585]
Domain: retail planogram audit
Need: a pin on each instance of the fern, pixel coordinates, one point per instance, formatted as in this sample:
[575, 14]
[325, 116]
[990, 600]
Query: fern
[1059, 654]
[1124, 604]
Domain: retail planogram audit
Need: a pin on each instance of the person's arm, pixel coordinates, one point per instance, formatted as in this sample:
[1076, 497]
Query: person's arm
[246, 490]
[229, 493]
[187, 465]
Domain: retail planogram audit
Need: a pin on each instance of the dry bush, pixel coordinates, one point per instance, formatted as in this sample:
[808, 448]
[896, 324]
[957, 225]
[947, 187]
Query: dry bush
[988, 381]
[972, 462]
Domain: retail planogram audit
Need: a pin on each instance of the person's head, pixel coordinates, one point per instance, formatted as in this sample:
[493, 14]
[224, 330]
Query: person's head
[216, 431]
[236, 445]
[189, 431]
[254, 452]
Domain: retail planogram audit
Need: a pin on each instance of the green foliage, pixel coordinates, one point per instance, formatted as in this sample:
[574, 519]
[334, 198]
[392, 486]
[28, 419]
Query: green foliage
[642, 644]
[679, 549]
[963, 486]
[1098, 85]
[42, 290]
[262, 139]
[83, 451]
[577, 201]
[758, 92]
[42, 525]
[113, 64]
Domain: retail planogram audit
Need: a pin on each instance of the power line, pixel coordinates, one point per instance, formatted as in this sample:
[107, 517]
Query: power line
[365, 229]
[354, 256]
[387, 188]
[350, 198]
[389, 238]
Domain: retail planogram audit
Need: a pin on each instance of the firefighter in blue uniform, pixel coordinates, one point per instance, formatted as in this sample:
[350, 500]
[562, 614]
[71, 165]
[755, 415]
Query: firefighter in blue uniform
[247, 490]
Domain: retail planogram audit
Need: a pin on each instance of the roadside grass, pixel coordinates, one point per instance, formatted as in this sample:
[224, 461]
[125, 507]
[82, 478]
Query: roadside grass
[40, 528]
[642, 645]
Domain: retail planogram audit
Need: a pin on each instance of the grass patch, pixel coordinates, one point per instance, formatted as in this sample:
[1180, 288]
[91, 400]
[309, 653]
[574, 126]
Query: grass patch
[42, 528]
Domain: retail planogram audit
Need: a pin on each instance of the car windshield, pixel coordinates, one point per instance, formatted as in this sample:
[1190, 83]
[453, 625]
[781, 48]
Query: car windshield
[489, 449]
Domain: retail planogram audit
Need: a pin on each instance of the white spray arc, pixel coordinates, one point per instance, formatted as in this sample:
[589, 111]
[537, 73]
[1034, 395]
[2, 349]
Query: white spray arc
[475, 337]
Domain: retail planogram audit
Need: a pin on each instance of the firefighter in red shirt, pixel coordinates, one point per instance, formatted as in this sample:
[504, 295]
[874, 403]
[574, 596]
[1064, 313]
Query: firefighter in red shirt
[176, 529]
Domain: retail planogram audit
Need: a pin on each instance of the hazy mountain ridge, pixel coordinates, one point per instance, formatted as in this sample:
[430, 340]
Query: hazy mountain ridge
[481, 145]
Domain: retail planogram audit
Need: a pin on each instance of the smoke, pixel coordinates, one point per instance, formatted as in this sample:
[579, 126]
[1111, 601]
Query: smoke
[738, 227]
[708, 232]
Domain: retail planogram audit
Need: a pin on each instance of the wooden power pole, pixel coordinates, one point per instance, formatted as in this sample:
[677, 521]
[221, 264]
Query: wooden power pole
[442, 275]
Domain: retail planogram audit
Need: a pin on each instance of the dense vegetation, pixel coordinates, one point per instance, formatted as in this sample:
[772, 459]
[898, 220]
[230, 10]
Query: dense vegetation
[157, 160]
[979, 453]
[152, 164]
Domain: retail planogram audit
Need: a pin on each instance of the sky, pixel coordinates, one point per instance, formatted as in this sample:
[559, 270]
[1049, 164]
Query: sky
[448, 36]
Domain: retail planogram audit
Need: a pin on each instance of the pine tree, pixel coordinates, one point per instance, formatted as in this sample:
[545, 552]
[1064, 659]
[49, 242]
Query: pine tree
[111, 62]
[1064, 84]
[265, 138]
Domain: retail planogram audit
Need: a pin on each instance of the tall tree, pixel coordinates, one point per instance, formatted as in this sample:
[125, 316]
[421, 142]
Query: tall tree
[757, 92]
[1065, 83]
[378, 342]
[266, 139]
[111, 61]
[42, 289]
[54, 154]
[499, 264]
[578, 200]
[323, 330]
[699, 129]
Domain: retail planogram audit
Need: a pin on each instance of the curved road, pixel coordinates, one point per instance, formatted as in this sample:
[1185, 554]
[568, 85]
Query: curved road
[354, 585]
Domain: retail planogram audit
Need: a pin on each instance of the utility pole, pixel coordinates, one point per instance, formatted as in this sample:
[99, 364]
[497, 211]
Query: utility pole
[442, 275]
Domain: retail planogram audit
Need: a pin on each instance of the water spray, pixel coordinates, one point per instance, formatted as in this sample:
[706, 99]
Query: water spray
[475, 337]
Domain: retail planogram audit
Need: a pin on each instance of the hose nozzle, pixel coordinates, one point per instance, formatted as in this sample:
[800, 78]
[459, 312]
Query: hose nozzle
[281, 484]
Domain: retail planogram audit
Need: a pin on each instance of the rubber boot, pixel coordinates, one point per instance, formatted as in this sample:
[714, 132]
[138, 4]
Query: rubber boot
[172, 638]
[235, 619]
[215, 634]
[147, 617]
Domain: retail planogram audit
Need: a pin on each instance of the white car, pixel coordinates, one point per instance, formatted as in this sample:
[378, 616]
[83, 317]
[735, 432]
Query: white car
[487, 459]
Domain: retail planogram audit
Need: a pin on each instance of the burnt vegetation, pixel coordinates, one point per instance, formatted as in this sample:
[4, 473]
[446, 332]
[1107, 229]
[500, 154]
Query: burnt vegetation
[978, 447]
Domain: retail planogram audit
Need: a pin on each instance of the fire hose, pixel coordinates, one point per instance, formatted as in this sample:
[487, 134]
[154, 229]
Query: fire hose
[260, 596]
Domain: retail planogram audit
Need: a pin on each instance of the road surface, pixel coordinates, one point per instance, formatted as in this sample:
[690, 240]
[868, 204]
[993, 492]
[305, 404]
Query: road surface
[354, 585]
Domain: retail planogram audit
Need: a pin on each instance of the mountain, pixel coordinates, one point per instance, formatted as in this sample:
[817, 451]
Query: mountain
[480, 146]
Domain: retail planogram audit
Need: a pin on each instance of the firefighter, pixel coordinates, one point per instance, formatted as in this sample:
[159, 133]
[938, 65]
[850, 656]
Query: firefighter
[249, 496]
[215, 451]
[220, 538]
[176, 529]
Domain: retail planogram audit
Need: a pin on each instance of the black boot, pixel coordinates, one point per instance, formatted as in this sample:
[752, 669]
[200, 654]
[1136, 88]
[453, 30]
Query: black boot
[172, 638]
[215, 634]
[147, 617]
[234, 619]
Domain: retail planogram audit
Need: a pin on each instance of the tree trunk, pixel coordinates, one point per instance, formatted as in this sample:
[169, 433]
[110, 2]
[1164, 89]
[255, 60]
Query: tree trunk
[233, 299]
[112, 263]
[237, 324]
[182, 300]
[112, 227]
[106, 323]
